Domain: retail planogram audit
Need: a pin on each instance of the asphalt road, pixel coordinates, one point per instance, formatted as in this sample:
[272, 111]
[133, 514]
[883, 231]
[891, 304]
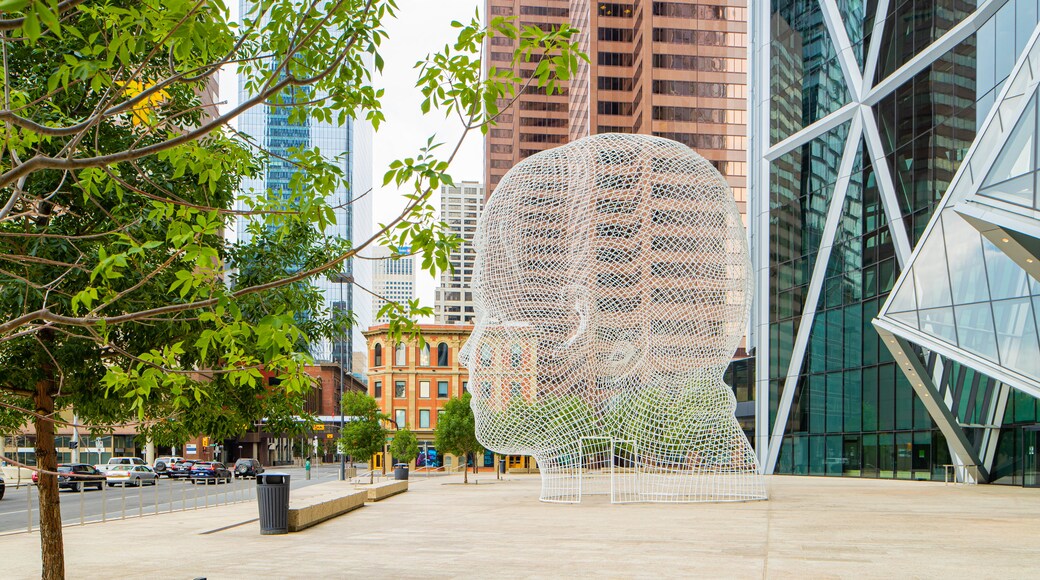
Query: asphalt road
[91, 505]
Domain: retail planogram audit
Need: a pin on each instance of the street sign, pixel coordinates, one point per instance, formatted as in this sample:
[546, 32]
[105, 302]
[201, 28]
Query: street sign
[318, 427]
[329, 436]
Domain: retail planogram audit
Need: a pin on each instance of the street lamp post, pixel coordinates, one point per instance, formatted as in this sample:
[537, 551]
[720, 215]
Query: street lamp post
[344, 279]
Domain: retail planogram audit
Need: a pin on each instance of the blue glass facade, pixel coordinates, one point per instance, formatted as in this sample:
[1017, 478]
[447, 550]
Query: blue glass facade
[842, 196]
[350, 146]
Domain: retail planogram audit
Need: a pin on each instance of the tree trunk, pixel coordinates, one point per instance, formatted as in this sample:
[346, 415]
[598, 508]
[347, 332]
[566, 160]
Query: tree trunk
[465, 468]
[51, 542]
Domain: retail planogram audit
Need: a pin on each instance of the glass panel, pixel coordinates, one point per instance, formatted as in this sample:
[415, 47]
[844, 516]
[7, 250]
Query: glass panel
[905, 317]
[1016, 155]
[886, 456]
[834, 460]
[964, 250]
[938, 322]
[806, 77]
[904, 299]
[817, 455]
[1006, 279]
[853, 397]
[1018, 190]
[1016, 336]
[904, 455]
[975, 329]
[851, 455]
[930, 272]
[834, 402]
[922, 455]
[886, 397]
[424, 389]
[870, 456]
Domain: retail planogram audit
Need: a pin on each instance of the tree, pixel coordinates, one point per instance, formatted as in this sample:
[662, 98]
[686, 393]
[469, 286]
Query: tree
[363, 434]
[404, 445]
[120, 297]
[456, 431]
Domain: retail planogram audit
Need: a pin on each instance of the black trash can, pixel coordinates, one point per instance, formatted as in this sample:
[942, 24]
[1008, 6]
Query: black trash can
[502, 466]
[400, 471]
[272, 495]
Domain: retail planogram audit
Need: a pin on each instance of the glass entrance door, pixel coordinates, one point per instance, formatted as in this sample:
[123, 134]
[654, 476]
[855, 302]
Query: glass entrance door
[1031, 457]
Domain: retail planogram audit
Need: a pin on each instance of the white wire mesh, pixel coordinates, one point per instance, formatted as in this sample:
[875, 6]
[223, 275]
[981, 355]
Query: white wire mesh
[612, 287]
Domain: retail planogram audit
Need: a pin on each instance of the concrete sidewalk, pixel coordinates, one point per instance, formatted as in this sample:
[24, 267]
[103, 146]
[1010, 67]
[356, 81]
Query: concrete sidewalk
[812, 527]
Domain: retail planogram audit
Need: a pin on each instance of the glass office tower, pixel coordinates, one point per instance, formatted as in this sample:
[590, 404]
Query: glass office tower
[862, 114]
[350, 146]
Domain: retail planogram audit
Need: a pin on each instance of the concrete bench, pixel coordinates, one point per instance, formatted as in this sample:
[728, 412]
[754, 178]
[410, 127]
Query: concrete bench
[315, 504]
[381, 491]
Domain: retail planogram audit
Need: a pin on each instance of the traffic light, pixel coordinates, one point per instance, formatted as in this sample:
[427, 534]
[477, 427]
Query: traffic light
[205, 441]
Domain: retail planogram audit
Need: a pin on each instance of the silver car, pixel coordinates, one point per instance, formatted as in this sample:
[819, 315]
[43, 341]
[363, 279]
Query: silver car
[133, 475]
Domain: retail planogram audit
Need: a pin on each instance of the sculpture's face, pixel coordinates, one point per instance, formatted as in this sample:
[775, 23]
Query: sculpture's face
[612, 265]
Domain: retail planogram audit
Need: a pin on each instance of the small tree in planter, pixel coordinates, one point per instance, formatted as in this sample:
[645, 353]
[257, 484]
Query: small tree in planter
[364, 435]
[456, 431]
[404, 447]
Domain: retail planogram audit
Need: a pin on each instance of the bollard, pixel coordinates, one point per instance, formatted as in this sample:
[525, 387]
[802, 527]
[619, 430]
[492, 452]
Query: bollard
[307, 467]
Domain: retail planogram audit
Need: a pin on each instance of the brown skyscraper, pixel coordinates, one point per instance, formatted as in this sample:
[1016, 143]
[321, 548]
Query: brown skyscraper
[674, 69]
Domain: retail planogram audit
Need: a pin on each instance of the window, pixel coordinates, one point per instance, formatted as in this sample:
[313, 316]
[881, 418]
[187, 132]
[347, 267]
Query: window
[378, 357]
[515, 354]
[399, 389]
[442, 354]
[424, 356]
[485, 356]
[399, 418]
[615, 34]
[614, 108]
[401, 355]
[465, 386]
[615, 59]
[424, 389]
[614, 83]
[442, 389]
[615, 9]
[424, 418]
[378, 389]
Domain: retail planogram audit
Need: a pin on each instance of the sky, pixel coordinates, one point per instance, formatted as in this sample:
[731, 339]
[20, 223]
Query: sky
[422, 26]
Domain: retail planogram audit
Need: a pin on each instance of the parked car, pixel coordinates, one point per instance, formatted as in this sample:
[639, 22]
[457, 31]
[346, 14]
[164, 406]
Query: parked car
[76, 475]
[210, 471]
[180, 469]
[248, 468]
[105, 467]
[2, 485]
[164, 465]
[133, 475]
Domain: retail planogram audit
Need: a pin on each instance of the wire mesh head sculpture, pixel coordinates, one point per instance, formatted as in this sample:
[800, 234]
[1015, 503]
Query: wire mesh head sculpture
[612, 287]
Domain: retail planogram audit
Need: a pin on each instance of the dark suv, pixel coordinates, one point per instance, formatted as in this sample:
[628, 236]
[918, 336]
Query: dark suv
[180, 469]
[76, 475]
[248, 468]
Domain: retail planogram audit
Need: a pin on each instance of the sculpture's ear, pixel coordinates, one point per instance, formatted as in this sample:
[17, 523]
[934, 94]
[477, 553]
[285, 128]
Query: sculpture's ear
[578, 305]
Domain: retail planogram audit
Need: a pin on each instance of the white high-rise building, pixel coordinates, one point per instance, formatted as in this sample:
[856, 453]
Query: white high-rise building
[392, 279]
[461, 205]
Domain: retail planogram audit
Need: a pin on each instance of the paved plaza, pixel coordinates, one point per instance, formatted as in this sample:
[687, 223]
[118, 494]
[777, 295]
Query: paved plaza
[812, 527]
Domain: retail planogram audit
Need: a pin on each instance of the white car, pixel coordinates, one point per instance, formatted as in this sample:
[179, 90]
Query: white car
[105, 467]
[132, 475]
